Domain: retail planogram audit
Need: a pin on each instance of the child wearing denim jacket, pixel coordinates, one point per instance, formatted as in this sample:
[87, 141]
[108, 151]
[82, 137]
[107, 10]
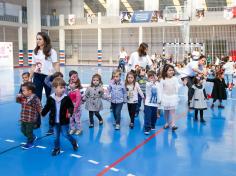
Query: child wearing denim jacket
[118, 94]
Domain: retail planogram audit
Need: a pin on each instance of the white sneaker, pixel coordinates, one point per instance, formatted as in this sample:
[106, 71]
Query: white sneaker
[117, 127]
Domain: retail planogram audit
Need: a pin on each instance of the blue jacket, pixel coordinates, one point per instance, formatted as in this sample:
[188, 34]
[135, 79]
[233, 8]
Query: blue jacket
[118, 92]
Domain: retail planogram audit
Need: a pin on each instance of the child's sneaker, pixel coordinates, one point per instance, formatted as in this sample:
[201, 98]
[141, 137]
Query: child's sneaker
[174, 128]
[212, 106]
[27, 146]
[75, 146]
[72, 132]
[78, 132]
[131, 125]
[91, 125]
[146, 132]
[153, 128]
[56, 151]
[221, 106]
[202, 121]
[117, 127]
[101, 122]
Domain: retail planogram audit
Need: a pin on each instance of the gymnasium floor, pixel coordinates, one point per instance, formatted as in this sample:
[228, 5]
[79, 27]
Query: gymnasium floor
[194, 149]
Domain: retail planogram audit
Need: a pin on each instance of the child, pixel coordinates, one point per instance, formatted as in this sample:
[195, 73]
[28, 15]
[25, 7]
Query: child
[151, 102]
[48, 81]
[219, 88]
[59, 104]
[31, 106]
[93, 98]
[75, 96]
[25, 78]
[198, 98]
[118, 97]
[133, 90]
[169, 99]
[142, 80]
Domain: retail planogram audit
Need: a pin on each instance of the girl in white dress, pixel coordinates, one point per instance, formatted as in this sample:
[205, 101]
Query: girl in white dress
[169, 97]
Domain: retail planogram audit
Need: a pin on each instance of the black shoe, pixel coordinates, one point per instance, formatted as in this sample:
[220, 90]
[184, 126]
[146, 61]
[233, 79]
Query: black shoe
[131, 125]
[221, 106]
[91, 125]
[174, 128]
[100, 122]
[195, 119]
[50, 132]
[56, 151]
[202, 121]
[166, 126]
[75, 146]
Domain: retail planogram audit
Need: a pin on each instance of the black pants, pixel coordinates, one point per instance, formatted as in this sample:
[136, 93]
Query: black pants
[132, 109]
[196, 113]
[27, 129]
[91, 113]
[40, 84]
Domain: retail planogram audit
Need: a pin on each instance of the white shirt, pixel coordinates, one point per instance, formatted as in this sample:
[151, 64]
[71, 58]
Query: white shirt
[152, 94]
[123, 54]
[42, 65]
[141, 61]
[229, 68]
[188, 70]
[132, 93]
[58, 106]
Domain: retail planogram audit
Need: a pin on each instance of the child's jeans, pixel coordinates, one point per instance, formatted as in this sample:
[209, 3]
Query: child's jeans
[62, 129]
[116, 109]
[150, 117]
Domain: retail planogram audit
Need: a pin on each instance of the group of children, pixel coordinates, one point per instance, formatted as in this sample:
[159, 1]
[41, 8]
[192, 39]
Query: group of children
[156, 90]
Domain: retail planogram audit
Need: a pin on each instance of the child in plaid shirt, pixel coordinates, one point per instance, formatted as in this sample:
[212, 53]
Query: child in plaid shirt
[30, 106]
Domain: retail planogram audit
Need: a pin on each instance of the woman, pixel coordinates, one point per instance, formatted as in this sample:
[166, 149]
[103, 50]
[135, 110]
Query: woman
[44, 63]
[140, 58]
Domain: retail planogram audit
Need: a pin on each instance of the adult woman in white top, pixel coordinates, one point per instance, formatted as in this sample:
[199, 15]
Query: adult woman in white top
[44, 63]
[140, 58]
[229, 70]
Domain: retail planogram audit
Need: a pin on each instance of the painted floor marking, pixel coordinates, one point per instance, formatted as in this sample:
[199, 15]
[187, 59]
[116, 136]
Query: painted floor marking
[76, 156]
[93, 162]
[9, 140]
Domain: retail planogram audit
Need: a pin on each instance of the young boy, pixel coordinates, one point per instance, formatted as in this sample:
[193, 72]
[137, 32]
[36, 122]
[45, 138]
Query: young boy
[151, 102]
[25, 78]
[31, 106]
[61, 108]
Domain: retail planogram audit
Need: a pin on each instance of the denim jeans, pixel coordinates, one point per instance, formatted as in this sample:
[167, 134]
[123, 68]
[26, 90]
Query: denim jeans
[58, 129]
[116, 109]
[150, 117]
[139, 103]
[228, 78]
[40, 84]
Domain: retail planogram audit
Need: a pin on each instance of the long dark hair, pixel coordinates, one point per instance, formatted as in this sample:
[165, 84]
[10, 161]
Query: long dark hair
[165, 69]
[47, 45]
[141, 50]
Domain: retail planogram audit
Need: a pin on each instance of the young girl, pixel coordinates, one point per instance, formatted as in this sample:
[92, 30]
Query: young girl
[198, 98]
[219, 88]
[118, 97]
[93, 98]
[75, 96]
[169, 99]
[133, 89]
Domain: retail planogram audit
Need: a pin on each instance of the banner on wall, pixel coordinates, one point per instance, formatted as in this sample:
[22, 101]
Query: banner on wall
[229, 12]
[141, 16]
[71, 19]
[6, 55]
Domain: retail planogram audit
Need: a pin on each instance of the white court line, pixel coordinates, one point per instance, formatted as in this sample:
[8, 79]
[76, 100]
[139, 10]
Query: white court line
[130, 175]
[93, 162]
[42, 147]
[9, 140]
[113, 169]
[23, 143]
[76, 156]
[62, 151]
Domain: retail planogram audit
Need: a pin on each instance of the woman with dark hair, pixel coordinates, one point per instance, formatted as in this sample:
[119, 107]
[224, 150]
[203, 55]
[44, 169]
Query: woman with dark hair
[44, 63]
[140, 58]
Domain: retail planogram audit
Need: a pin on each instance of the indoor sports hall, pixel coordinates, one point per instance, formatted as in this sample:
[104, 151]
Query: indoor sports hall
[115, 39]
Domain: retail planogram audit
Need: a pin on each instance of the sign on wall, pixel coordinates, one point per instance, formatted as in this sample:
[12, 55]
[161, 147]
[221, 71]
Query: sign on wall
[6, 55]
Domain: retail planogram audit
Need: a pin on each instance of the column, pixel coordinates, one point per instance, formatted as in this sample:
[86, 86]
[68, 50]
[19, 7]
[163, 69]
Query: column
[150, 5]
[99, 40]
[34, 25]
[77, 7]
[61, 40]
[140, 38]
[20, 41]
[113, 7]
